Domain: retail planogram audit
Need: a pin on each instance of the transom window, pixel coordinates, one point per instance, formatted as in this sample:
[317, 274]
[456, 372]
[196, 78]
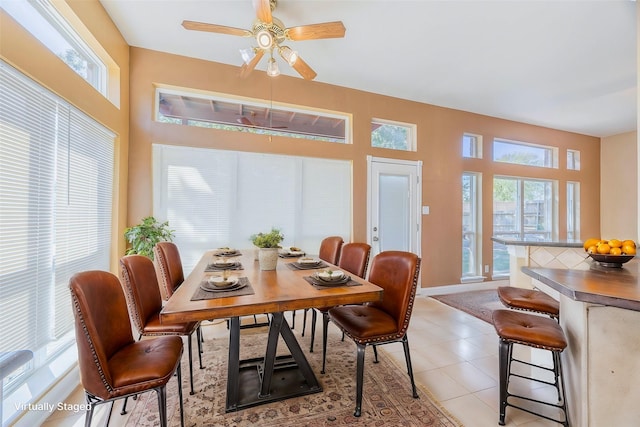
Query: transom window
[573, 160]
[522, 153]
[394, 135]
[249, 115]
[46, 22]
[472, 146]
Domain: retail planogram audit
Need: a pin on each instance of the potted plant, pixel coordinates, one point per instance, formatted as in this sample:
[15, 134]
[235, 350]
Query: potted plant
[268, 244]
[144, 236]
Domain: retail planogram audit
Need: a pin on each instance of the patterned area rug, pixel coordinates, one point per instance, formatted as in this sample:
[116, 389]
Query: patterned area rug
[476, 303]
[387, 397]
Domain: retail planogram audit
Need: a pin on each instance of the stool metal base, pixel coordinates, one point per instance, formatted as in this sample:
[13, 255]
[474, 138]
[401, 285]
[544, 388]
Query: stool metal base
[506, 359]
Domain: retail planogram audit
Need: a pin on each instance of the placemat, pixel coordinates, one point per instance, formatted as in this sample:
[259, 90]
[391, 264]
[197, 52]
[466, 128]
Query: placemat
[201, 294]
[297, 266]
[316, 283]
[213, 267]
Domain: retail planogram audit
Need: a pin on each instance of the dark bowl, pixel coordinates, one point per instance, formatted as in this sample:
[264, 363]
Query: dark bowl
[611, 260]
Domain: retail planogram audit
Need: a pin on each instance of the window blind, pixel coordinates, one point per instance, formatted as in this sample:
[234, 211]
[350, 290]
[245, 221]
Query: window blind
[56, 185]
[215, 198]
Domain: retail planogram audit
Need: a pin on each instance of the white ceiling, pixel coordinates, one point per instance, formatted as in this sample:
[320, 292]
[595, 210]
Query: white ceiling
[568, 65]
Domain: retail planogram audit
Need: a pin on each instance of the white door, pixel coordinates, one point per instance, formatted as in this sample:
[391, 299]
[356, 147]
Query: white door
[395, 197]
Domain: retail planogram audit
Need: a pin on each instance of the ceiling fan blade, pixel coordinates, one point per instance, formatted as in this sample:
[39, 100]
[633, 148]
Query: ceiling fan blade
[304, 70]
[248, 68]
[214, 28]
[326, 30]
[263, 10]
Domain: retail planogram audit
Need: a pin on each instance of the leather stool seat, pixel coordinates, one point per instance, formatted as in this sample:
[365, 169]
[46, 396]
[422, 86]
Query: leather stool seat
[530, 330]
[535, 331]
[529, 300]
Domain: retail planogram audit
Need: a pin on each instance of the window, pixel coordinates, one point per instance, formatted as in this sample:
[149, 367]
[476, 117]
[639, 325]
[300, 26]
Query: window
[521, 153]
[573, 210]
[471, 225]
[522, 209]
[214, 198]
[394, 135]
[46, 23]
[56, 175]
[573, 160]
[253, 116]
[472, 146]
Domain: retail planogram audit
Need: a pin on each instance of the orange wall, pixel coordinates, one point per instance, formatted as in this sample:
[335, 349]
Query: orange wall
[439, 147]
[24, 52]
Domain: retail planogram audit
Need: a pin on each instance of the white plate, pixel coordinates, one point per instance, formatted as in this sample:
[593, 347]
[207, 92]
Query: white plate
[333, 277]
[308, 261]
[212, 288]
[222, 283]
[223, 263]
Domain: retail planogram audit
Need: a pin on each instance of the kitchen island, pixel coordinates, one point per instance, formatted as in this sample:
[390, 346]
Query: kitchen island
[546, 253]
[600, 315]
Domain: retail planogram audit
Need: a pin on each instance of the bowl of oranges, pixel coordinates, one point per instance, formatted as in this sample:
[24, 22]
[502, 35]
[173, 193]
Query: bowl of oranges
[612, 252]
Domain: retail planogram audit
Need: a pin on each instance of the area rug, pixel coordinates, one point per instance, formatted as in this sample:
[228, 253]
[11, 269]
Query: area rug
[387, 397]
[479, 304]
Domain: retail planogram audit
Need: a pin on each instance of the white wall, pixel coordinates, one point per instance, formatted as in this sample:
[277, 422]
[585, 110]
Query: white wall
[619, 187]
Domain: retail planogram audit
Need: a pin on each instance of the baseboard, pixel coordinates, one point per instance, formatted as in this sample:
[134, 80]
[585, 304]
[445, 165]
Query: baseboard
[463, 287]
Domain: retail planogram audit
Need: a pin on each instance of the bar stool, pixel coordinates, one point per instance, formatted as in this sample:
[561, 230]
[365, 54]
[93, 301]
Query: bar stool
[529, 300]
[533, 331]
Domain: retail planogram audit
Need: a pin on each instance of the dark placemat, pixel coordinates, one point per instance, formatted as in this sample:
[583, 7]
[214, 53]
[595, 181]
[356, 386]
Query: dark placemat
[297, 266]
[318, 284]
[213, 267]
[201, 294]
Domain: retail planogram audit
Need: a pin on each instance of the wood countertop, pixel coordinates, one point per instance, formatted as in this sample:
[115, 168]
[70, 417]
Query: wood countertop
[615, 287]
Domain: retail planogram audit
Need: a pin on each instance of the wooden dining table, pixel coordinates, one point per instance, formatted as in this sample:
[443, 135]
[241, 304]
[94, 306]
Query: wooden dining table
[270, 377]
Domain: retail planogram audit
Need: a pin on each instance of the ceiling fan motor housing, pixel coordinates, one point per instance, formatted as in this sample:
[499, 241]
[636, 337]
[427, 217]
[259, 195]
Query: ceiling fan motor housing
[276, 29]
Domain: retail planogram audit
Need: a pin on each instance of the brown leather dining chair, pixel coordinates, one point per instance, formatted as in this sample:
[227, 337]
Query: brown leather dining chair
[168, 265]
[112, 364]
[330, 252]
[142, 293]
[166, 258]
[384, 321]
[354, 258]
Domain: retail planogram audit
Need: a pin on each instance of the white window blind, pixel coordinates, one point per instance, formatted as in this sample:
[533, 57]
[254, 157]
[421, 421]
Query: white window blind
[215, 198]
[56, 184]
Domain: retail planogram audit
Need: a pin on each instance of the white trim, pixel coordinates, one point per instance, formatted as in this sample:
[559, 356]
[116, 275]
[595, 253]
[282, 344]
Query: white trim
[454, 289]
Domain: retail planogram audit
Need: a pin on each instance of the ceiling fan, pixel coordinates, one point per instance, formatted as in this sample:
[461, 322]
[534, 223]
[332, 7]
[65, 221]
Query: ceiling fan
[270, 34]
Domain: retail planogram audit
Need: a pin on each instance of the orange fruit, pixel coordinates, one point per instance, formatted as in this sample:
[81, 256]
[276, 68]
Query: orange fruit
[603, 248]
[615, 243]
[590, 242]
[592, 249]
[629, 242]
[629, 249]
[615, 251]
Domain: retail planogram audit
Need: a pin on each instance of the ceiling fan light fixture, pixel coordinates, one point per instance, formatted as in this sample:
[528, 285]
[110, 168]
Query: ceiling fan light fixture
[288, 54]
[272, 68]
[247, 54]
[264, 39]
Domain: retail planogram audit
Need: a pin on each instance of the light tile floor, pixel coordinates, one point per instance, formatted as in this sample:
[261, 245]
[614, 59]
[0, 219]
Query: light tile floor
[454, 355]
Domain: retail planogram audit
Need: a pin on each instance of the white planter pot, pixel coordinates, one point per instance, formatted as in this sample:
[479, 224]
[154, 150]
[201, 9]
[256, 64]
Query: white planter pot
[268, 258]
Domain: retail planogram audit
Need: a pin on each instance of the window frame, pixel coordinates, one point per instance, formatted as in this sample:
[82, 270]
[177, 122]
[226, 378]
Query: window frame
[520, 216]
[474, 146]
[474, 234]
[550, 160]
[244, 102]
[410, 128]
